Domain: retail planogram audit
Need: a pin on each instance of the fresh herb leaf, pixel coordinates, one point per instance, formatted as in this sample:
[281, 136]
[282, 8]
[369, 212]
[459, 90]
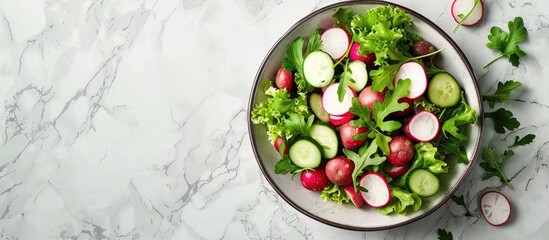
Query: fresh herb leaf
[502, 92]
[424, 104]
[460, 201]
[391, 105]
[462, 115]
[426, 157]
[493, 167]
[334, 193]
[443, 235]
[344, 16]
[523, 141]
[364, 115]
[361, 188]
[314, 43]
[507, 43]
[431, 70]
[465, 17]
[344, 80]
[297, 124]
[285, 165]
[503, 119]
[402, 201]
[454, 148]
[294, 62]
[367, 156]
[382, 141]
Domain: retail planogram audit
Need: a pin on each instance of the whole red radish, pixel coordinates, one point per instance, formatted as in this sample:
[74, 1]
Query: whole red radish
[355, 55]
[357, 199]
[278, 141]
[339, 170]
[404, 112]
[367, 97]
[284, 79]
[397, 171]
[347, 132]
[423, 47]
[315, 179]
[401, 151]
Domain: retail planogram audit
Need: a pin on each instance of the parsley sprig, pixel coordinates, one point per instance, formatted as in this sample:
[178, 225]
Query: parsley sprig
[507, 43]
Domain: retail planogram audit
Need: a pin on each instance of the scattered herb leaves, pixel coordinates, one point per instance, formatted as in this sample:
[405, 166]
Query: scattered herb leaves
[529, 138]
[503, 119]
[502, 92]
[461, 202]
[507, 43]
[494, 167]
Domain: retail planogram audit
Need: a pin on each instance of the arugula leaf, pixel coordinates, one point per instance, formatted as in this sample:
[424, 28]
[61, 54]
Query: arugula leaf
[391, 105]
[363, 113]
[314, 43]
[431, 70]
[507, 43]
[459, 201]
[344, 80]
[465, 17]
[502, 92]
[503, 118]
[529, 138]
[334, 193]
[383, 77]
[367, 157]
[492, 166]
[382, 141]
[296, 123]
[443, 235]
[462, 115]
[401, 202]
[454, 148]
[344, 16]
[285, 165]
[426, 157]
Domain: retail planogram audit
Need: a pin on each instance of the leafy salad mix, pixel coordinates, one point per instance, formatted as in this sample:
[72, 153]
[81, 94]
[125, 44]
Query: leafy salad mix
[361, 113]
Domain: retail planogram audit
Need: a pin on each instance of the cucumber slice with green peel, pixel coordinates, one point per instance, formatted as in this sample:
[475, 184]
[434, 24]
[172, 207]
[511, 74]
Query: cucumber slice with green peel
[315, 102]
[444, 91]
[359, 74]
[326, 138]
[423, 183]
[305, 154]
[318, 68]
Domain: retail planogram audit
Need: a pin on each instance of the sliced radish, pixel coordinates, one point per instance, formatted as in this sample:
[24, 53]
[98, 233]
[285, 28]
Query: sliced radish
[495, 208]
[357, 200]
[359, 74]
[378, 194]
[331, 103]
[463, 7]
[422, 127]
[416, 73]
[338, 120]
[335, 42]
[397, 171]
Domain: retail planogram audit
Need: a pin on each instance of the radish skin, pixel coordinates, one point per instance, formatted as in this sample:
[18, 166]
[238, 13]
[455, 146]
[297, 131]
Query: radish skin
[464, 7]
[495, 208]
[378, 194]
[335, 42]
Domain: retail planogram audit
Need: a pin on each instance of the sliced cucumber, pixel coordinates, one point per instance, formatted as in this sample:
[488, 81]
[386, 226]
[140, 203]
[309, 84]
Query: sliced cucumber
[327, 138]
[318, 69]
[423, 183]
[315, 101]
[359, 74]
[444, 90]
[305, 154]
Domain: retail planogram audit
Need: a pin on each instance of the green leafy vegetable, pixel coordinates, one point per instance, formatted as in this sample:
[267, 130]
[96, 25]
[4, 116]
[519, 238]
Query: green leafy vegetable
[493, 167]
[461, 116]
[424, 104]
[285, 165]
[460, 201]
[334, 193]
[529, 138]
[294, 62]
[443, 235]
[465, 17]
[297, 124]
[314, 43]
[402, 201]
[426, 157]
[507, 43]
[382, 141]
[503, 119]
[432, 70]
[454, 148]
[344, 16]
[276, 109]
[502, 92]
[367, 156]
[391, 105]
[344, 80]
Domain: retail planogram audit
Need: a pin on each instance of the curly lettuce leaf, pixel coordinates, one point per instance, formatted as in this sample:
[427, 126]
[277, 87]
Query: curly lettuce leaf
[402, 202]
[426, 157]
[462, 115]
[334, 193]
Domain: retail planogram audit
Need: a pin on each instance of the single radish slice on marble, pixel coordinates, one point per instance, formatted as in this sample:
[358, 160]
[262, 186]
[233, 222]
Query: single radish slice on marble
[495, 208]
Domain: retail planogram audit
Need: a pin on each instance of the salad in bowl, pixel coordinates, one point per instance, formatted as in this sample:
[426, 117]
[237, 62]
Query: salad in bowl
[367, 122]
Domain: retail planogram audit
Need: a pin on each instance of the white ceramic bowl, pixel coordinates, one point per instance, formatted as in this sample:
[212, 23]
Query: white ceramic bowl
[347, 216]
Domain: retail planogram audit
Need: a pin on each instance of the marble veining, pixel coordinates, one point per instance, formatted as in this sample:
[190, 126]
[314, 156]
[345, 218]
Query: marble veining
[126, 119]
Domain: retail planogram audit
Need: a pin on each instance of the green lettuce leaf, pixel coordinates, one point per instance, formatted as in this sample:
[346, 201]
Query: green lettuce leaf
[426, 157]
[402, 202]
[334, 193]
[460, 116]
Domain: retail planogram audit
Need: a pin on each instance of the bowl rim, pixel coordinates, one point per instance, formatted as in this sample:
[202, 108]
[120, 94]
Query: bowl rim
[255, 86]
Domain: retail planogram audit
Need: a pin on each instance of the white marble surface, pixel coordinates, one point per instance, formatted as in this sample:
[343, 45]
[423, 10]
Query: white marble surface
[126, 119]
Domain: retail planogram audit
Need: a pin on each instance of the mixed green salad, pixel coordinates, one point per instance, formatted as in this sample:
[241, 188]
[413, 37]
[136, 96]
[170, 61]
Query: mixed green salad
[363, 115]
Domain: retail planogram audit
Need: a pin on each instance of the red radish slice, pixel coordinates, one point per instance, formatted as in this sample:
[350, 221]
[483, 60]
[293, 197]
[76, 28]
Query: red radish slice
[331, 103]
[423, 127]
[416, 73]
[335, 42]
[495, 208]
[357, 200]
[378, 194]
[464, 7]
[339, 120]
[397, 171]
